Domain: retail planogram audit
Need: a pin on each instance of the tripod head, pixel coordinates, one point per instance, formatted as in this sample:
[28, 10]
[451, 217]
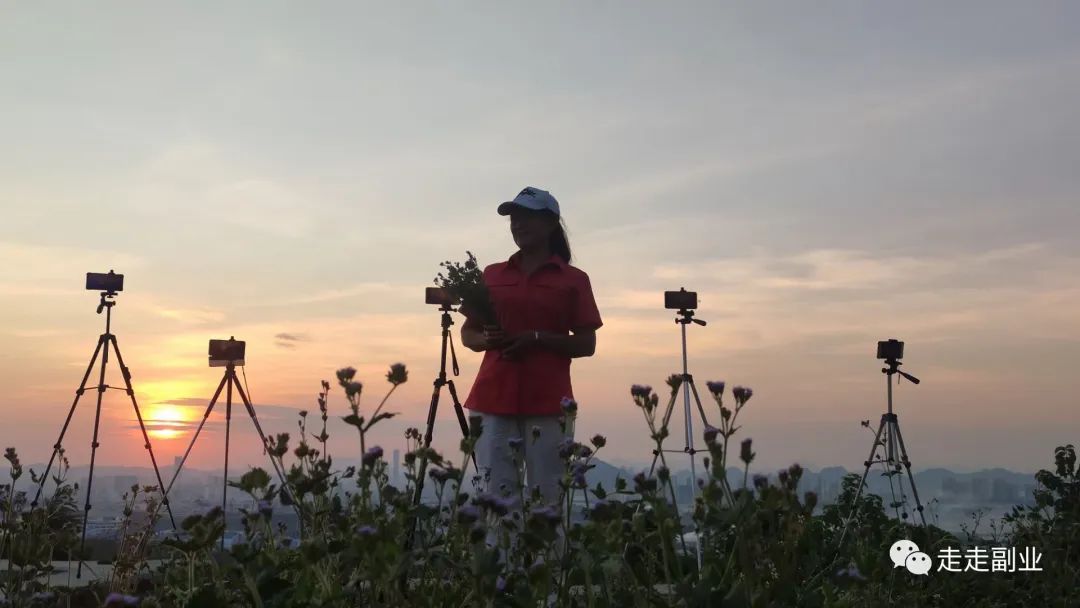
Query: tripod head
[106, 300]
[893, 367]
[685, 316]
[446, 308]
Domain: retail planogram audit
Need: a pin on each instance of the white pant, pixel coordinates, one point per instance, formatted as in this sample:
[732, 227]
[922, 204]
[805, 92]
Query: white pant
[500, 463]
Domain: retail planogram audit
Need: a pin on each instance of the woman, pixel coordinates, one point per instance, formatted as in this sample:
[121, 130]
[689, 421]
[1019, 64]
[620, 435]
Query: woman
[546, 316]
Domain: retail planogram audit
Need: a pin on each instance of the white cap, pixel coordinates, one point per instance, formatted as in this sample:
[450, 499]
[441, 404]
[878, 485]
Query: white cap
[532, 198]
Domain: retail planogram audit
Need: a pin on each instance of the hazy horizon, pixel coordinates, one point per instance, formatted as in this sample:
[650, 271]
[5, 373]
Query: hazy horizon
[825, 177]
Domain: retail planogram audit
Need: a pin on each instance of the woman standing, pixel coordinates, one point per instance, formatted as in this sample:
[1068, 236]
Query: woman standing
[547, 316]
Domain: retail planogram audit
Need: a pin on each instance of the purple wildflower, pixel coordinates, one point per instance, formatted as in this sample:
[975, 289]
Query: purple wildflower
[599, 441]
[566, 448]
[745, 454]
[397, 374]
[641, 391]
[119, 599]
[761, 482]
[467, 514]
[372, 456]
[568, 405]
[710, 433]
[549, 513]
[716, 387]
[741, 394]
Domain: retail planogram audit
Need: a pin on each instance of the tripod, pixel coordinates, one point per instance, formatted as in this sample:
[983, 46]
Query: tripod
[104, 340]
[685, 382]
[889, 428]
[440, 381]
[228, 381]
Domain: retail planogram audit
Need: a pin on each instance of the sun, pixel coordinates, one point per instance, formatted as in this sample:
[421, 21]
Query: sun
[167, 421]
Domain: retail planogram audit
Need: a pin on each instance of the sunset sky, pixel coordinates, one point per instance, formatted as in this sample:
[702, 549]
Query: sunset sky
[292, 174]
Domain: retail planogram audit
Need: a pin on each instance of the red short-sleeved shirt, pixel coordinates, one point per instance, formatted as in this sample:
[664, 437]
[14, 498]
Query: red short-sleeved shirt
[556, 298]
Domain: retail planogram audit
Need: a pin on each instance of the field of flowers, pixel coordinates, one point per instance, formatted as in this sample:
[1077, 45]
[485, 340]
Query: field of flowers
[761, 542]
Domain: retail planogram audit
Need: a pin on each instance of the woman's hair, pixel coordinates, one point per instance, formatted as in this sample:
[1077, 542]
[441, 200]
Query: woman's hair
[558, 242]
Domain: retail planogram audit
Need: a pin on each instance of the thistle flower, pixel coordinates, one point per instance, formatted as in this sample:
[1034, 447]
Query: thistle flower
[352, 389]
[716, 387]
[674, 381]
[495, 504]
[745, 454]
[119, 599]
[710, 433]
[566, 448]
[397, 374]
[760, 481]
[440, 475]
[549, 513]
[851, 572]
[640, 391]
[741, 394]
[577, 474]
[372, 456]
[568, 405]
[643, 483]
[345, 375]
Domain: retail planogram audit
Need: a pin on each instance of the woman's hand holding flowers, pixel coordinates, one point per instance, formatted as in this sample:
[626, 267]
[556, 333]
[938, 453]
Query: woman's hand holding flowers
[494, 337]
[516, 344]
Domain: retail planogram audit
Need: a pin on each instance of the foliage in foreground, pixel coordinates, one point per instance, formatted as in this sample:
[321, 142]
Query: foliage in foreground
[762, 544]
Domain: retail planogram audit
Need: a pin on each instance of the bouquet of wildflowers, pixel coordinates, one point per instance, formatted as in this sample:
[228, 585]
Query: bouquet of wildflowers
[464, 281]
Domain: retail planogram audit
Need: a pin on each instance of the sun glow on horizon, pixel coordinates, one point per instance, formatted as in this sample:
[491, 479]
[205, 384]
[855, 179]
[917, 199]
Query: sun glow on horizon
[167, 421]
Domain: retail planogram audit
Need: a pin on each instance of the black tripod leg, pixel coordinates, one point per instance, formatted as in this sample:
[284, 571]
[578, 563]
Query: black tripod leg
[911, 478]
[146, 436]
[93, 454]
[462, 421]
[429, 430]
[862, 482]
[697, 399]
[422, 467]
[67, 421]
[198, 430]
[266, 444]
[225, 474]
